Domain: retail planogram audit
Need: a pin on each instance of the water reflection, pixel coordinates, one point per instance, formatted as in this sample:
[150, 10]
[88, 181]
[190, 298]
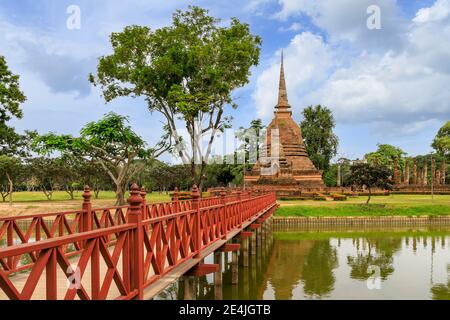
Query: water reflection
[318, 277]
[321, 264]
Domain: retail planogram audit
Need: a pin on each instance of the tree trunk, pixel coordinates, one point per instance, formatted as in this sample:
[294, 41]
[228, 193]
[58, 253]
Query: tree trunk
[370, 195]
[193, 175]
[10, 189]
[120, 194]
[48, 194]
[70, 191]
[201, 178]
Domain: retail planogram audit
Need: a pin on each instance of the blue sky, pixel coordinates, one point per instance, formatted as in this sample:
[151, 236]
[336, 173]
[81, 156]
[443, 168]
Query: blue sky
[389, 85]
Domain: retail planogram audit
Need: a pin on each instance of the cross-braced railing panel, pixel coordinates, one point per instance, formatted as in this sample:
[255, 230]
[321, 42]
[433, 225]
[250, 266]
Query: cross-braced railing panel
[29, 229]
[100, 271]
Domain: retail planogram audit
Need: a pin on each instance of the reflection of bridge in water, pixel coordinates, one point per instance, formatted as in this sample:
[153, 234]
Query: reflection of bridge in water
[129, 252]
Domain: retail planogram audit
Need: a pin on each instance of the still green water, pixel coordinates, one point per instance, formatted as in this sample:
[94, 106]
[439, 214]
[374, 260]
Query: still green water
[341, 264]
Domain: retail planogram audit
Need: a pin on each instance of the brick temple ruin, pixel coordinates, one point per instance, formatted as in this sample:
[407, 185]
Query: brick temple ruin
[284, 165]
[417, 177]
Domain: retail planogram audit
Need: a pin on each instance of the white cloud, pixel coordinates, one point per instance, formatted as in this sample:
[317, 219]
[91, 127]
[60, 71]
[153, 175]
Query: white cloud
[347, 20]
[293, 27]
[439, 11]
[406, 89]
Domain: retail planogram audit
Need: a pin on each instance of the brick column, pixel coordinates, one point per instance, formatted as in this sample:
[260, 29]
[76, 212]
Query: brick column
[406, 175]
[433, 170]
[414, 171]
[425, 173]
[396, 173]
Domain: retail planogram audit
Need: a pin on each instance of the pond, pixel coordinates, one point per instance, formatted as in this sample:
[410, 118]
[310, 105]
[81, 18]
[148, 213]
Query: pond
[341, 264]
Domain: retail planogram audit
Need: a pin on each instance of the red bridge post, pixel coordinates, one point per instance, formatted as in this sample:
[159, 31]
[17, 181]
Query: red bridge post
[197, 221]
[223, 213]
[239, 198]
[175, 200]
[137, 239]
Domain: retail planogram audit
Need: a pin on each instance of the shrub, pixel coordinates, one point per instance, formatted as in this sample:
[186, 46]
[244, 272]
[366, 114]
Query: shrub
[339, 197]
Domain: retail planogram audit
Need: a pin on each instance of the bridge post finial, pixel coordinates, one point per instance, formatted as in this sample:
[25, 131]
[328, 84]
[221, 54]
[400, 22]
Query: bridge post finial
[143, 195]
[86, 218]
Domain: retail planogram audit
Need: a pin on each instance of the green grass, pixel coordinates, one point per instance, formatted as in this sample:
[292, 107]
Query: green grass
[38, 196]
[394, 205]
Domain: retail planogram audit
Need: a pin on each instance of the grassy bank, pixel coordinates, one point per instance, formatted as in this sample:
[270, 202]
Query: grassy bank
[34, 196]
[394, 205]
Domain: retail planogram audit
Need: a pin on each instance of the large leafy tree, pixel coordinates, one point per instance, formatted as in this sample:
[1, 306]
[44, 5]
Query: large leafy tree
[187, 72]
[441, 142]
[10, 95]
[320, 141]
[45, 172]
[110, 142]
[385, 155]
[370, 176]
[11, 143]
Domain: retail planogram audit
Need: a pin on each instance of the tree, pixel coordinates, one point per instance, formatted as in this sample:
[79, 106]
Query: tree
[69, 177]
[370, 176]
[9, 169]
[441, 142]
[385, 155]
[10, 95]
[187, 73]
[109, 142]
[46, 172]
[318, 278]
[93, 175]
[320, 141]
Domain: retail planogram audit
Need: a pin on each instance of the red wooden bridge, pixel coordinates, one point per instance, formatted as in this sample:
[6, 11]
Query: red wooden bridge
[124, 252]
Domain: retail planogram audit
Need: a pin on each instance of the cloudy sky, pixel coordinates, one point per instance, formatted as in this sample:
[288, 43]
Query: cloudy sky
[388, 85]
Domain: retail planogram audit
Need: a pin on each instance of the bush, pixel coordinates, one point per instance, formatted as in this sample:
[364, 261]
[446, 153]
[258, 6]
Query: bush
[320, 197]
[339, 197]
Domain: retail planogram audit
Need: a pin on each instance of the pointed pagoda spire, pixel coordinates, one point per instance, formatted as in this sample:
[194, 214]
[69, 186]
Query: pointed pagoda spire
[283, 104]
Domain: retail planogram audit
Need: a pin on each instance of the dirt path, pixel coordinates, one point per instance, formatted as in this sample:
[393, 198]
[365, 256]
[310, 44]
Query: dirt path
[25, 208]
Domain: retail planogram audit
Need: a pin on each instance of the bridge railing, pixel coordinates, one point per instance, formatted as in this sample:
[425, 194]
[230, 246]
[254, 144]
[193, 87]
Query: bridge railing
[32, 228]
[122, 255]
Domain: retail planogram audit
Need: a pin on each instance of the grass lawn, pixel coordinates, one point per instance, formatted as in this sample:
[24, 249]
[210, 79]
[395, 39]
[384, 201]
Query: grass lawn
[35, 202]
[63, 196]
[393, 205]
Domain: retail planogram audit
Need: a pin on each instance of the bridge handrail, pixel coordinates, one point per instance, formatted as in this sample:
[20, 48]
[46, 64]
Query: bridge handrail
[149, 247]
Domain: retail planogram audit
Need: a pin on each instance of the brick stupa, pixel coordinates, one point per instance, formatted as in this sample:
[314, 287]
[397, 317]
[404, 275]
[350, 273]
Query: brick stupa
[292, 170]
